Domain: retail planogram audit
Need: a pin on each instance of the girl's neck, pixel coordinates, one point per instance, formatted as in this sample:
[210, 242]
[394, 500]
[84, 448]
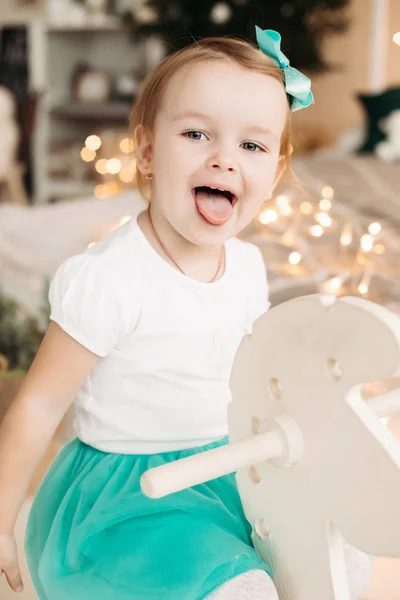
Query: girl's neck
[194, 261]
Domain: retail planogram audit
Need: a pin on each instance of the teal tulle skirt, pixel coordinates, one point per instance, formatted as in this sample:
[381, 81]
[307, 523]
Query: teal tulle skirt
[93, 535]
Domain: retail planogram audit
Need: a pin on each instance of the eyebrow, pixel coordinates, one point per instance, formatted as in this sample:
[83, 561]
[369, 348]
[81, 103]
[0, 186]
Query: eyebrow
[190, 114]
[199, 115]
[259, 129]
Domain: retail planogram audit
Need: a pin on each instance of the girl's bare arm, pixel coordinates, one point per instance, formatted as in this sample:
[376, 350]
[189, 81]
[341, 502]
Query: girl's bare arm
[59, 369]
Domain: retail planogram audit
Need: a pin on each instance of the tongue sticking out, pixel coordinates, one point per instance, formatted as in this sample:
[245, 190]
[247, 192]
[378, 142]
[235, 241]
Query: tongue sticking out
[214, 207]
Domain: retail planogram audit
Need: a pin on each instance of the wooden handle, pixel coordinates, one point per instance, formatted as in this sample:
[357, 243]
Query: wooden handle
[196, 469]
[384, 406]
[383, 397]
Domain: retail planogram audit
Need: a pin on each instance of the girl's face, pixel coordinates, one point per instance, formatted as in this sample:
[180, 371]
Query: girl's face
[218, 128]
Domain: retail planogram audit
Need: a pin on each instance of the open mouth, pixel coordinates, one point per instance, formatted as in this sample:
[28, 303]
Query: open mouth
[215, 205]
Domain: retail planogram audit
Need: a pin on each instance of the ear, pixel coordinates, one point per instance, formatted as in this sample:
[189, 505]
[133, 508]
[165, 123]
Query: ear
[143, 148]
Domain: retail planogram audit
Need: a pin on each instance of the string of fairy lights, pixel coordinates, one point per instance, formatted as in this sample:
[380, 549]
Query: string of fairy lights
[113, 164]
[322, 239]
[309, 236]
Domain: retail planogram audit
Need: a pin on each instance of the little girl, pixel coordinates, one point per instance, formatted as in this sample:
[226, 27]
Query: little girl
[145, 326]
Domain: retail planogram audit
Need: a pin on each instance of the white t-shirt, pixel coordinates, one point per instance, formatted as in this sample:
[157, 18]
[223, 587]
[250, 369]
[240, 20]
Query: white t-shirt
[166, 341]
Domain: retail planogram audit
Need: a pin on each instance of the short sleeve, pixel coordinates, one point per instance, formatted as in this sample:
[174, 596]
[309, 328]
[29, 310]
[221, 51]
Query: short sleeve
[88, 302]
[258, 289]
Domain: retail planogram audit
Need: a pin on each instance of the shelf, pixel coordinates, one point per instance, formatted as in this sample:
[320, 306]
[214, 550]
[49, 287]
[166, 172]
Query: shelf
[107, 24]
[115, 111]
[56, 49]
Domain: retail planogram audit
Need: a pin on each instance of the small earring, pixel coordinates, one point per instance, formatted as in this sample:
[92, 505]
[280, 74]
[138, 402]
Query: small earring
[149, 176]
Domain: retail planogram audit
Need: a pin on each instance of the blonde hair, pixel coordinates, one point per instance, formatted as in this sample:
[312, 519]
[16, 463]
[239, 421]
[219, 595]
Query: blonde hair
[243, 53]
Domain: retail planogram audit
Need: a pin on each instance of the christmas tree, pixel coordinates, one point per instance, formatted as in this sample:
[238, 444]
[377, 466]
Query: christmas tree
[20, 336]
[303, 24]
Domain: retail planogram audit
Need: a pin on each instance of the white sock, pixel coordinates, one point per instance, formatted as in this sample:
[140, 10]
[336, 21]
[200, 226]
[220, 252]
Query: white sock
[257, 585]
[252, 585]
[359, 569]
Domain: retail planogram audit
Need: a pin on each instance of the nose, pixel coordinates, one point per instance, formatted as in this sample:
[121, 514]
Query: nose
[221, 160]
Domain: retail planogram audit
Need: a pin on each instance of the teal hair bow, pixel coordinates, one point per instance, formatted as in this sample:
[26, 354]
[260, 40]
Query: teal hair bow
[297, 85]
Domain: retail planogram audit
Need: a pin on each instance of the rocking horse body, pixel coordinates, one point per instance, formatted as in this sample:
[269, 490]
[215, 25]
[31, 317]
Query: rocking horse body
[311, 455]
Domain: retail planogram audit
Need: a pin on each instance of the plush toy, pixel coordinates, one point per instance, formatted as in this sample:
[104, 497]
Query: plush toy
[312, 457]
[389, 150]
[377, 108]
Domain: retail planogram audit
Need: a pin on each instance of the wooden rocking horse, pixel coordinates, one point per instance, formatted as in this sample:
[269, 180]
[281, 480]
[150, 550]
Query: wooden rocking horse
[312, 456]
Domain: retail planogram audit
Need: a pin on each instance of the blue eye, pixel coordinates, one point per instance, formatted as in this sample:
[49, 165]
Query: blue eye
[252, 147]
[195, 135]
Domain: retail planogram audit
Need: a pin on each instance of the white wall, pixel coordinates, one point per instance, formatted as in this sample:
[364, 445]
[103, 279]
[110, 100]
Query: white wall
[336, 106]
[394, 50]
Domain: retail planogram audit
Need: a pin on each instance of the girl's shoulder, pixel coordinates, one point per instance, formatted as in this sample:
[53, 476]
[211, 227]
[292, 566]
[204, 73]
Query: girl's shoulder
[92, 295]
[251, 271]
[107, 262]
[118, 248]
[245, 254]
